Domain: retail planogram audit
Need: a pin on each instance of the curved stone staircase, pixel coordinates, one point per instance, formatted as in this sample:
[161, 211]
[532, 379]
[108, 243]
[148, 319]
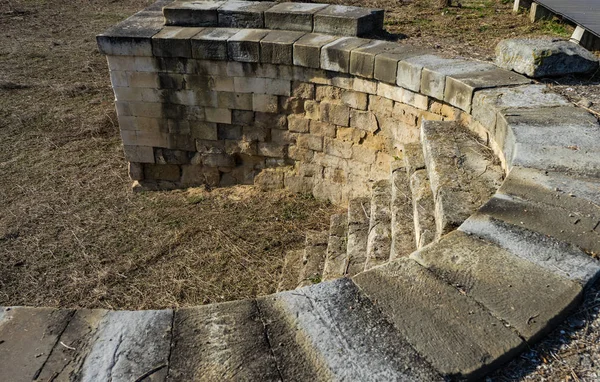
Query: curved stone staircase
[445, 272]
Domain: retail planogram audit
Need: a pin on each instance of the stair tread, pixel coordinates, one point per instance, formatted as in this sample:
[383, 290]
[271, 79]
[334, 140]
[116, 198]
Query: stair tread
[358, 232]
[403, 226]
[335, 262]
[379, 240]
[315, 252]
[290, 272]
[423, 208]
[462, 172]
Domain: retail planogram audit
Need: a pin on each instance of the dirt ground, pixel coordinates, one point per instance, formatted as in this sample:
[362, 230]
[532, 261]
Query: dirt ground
[72, 233]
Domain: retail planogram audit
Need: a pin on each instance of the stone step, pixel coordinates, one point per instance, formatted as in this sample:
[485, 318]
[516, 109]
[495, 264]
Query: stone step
[313, 261]
[452, 331]
[529, 298]
[359, 210]
[463, 172]
[335, 332]
[337, 244]
[403, 225]
[423, 208]
[290, 273]
[379, 240]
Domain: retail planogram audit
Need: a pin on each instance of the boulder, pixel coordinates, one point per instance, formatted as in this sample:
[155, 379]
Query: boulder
[544, 57]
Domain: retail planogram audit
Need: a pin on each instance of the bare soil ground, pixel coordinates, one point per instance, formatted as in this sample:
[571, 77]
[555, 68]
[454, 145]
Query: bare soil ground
[72, 233]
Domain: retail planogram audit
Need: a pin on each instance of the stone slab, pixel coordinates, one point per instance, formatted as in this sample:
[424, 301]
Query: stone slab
[555, 139]
[27, 337]
[73, 346]
[337, 244]
[460, 87]
[379, 241]
[451, 330]
[461, 171]
[403, 226]
[387, 69]
[290, 273]
[211, 43]
[488, 102]
[243, 14]
[221, 342]
[174, 42]
[192, 13]
[244, 46]
[345, 20]
[546, 252]
[413, 158]
[544, 57]
[128, 345]
[433, 77]
[307, 49]
[358, 233]
[363, 60]
[292, 16]
[277, 47]
[529, 298]
[335, 56]
[410, 69]
[315, 252]
[423, 208]
[342, 334]
[131, 37]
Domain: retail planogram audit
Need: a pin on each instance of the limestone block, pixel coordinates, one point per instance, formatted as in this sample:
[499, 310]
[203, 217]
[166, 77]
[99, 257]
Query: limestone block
[312, 75]
[128, 94]
[410, 70]
[337, 148]
[307, 49]
[291, 105]
[280, 87]
[355, 100]
[381, 106]
[192, 13]
[300, 154]
[250, 85]
[272, 149]
[322, 129]
[292, 16]
[218, 115]
[310, 141]
[265, 103]
[277, 47]
[169, 172]
[544, 57]
[270, 121]
[391, 92]
[203, 130]
[244, 46]
[387, 63]
[312, 110]
[211, 43]
[238, 101]
[335, 56]
[364, 86]
[298, 184]
[271, 179]
[174, 42]
[303, 90]
[350, 134]
[348, 21]
[135, 171]
[242, 117]
[298, 124]
[364, 120]
[229, 132]
[363, 154]
[362, 60]
[433, 78]
[334, 113]
[167, 156]
[243, 14]
[131, 37]
[194, 175]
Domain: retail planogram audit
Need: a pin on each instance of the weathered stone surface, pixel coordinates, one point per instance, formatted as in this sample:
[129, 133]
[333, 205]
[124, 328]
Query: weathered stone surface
[449, 329]
[460, 87]
[243, 14]
[379, 240]
[364, 62]
[549, 253]
[73, 346]
[131, 37]
[315, 252]
[348, 21]
[544, 57]
[462, 173]
[292, 16]
[529, 298]
[337, 244]
[221, 342]
[331, 332]
[409, 70]
[277, 47]
[290, 273]
[211, 43]
[27, 337]
[403, 226]
[335, 56]
[244, 46]
[433, 77]
[423, 208]
[127, 345]
[139, 154]
[413, 158]
[174, 42]
[555, 139]
[358, 233]
[192, 13]
[487, 103]
[307, 50]
[386, 64]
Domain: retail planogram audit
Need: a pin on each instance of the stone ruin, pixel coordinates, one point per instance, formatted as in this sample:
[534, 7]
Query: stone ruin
[472, 200]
